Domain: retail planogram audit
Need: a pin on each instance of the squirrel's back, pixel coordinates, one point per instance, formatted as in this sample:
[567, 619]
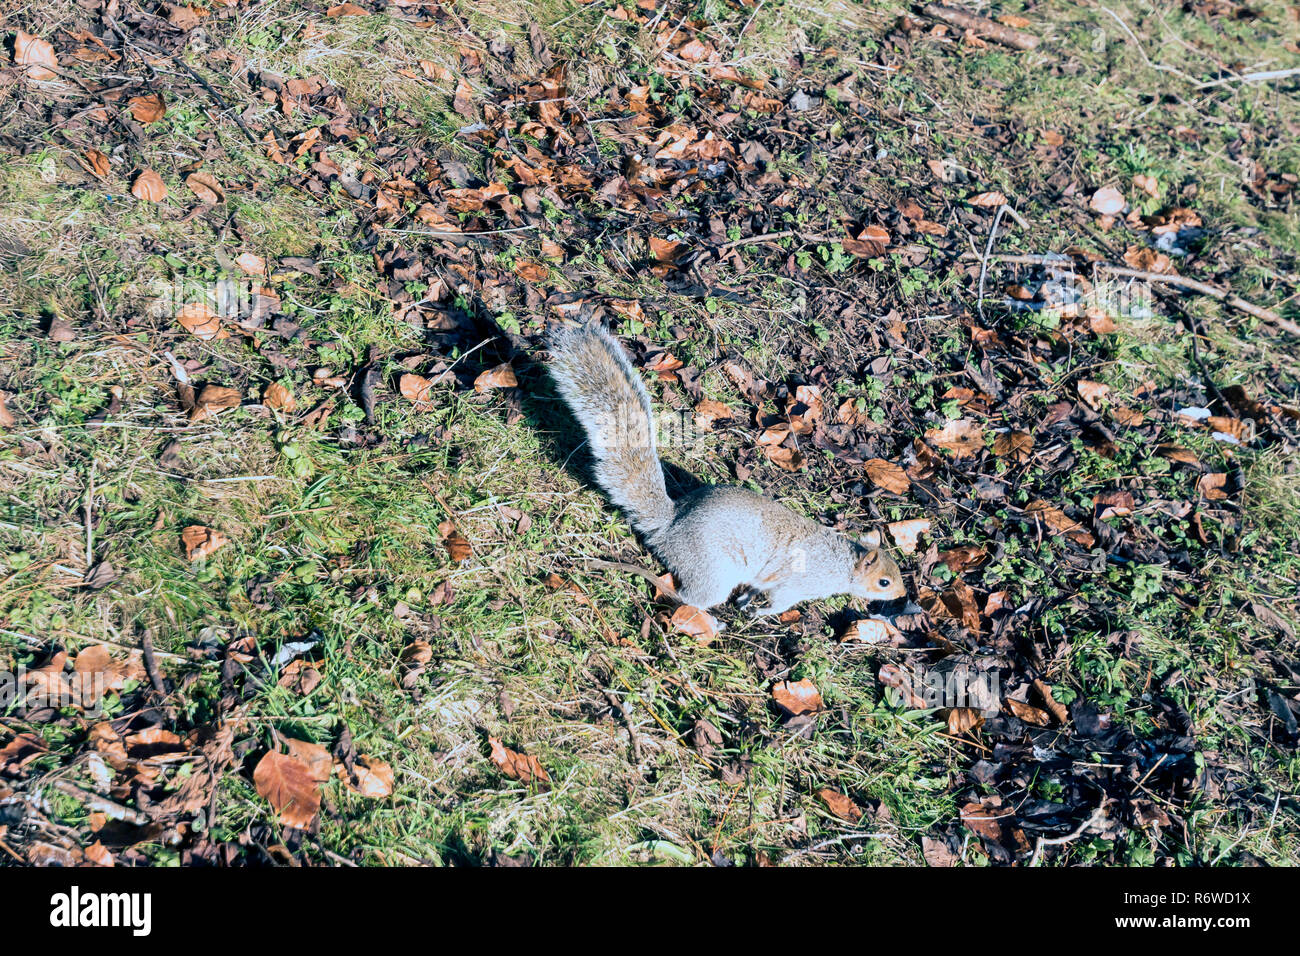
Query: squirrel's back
[605, 395]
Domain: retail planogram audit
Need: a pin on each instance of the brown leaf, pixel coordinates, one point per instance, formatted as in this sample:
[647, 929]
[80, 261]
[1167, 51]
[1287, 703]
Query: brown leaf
[417, 389]
[314, 757]
[798, 697]
[870, 630]
[1093, 393]
[201, 542]
[963, 437]
[149, 108]
[1057, 710]
[148, 187]
[1028, 713]
[988, 200]
[995, 824]
[212, 400]
[840, 804]
[1213, 486]
[288, 784]
[694, 622]
[201, 321]
[710, 411]
[887, 475]
[346, 10]
[35, 54]
[517, 766]
[1179, 454]
[1108, 201]
[531, 271]
[868, 244]
[1059, 522]
[252, 264]
[906, 533]
[502, 376]
[463, 100]
[666, 250]
[456, 544]
[1015, 444]
[98, 163]
[206, 188]
[963, 720]
[964, 556]
[278, 397]
[374, 778]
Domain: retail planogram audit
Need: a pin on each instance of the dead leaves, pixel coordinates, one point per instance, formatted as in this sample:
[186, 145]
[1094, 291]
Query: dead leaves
[416, 389]
[502, 376]
[887, 475]
[212, 400]
[522, 767]
[694, 622]
[206, 187]
[292, 782]
[797, 698]
[290, 786]
[202, 542]
[35, 54]
[149, 108]
[148, 187]
[961, 438]
[201, 321]
[457, 545]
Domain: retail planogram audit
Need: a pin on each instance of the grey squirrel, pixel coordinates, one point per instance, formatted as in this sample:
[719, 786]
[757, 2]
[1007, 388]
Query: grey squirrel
[715, 539]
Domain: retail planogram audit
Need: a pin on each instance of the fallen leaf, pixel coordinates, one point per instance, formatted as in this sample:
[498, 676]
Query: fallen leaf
[252, 264]
[288, 785]
[1213, 486]
[416, 388]
[1093, 393]
[1108, 201]
[35, 54]
[963, 720]
[206, 188]
[457, 545]
[212, 400]
[200, 541]
[988, 200]
[149, 108]
[346, 10]
[1018, 445]
[201, 321]
[148, 187]
[98, 163]
[887, 475]
[502, 376]
[278, 397]
[374, 778]
[963, 437]
[798, 697]
[906, 533]
[517, 766]
[840, 804]
[531, 271]
[870, 630]
[694, 622]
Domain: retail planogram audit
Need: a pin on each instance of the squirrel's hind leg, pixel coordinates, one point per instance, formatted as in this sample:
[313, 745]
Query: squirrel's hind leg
[704, 591]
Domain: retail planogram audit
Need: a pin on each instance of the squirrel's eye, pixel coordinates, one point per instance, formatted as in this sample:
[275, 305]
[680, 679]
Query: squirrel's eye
[885, 582]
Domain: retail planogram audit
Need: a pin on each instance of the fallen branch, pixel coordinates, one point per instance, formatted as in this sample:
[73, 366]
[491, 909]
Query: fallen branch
[1261, 77]
[1230, 299]
[981, 26]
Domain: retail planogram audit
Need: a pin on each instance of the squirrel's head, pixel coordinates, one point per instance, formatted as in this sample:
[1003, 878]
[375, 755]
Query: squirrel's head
[876, 576]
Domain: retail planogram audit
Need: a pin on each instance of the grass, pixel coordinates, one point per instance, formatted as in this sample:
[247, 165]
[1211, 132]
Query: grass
[338, 543]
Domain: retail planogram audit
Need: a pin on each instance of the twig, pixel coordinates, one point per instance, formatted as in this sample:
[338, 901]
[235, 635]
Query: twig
[984, 263]
[981, 26]
[1138, 43]
[1074, 834]
[1261, 77]
[666, 589]
[151, 663]
[1230, 299]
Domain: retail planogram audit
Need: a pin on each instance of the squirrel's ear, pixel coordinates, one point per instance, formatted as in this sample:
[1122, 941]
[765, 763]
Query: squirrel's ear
[871, 539]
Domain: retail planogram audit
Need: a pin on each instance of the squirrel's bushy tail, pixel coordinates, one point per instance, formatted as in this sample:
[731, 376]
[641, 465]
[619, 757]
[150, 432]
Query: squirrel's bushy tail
[598, 383]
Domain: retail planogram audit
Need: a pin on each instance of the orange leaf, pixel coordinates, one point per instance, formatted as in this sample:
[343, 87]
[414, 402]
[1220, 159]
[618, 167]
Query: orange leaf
[288, 784]
[148, 187]
[694, 622]
[35, 54]
[798, 697]
[201, 542]
[149, 108]
[374, 778]
[416, 388]
[346, 10]
[503, 376]
[887, 475]
[516, 765]
[201, 321]
[456, 544]
[840, 804]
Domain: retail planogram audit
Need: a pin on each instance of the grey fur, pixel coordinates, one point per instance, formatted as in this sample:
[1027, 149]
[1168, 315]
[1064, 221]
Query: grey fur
[717, 539]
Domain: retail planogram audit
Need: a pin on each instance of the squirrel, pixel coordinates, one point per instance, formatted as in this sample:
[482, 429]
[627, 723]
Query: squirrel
[716, 539]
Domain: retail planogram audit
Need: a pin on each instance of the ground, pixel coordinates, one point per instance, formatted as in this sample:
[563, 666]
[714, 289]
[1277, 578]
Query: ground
[295, 538]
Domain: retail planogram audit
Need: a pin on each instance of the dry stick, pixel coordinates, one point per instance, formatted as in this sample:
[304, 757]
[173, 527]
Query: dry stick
[1227, 298]
[981, 26]
[1262, 77]
[1068, 838]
